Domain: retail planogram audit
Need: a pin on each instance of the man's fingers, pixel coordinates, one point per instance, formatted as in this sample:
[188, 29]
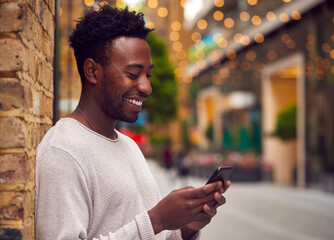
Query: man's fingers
[205, 190]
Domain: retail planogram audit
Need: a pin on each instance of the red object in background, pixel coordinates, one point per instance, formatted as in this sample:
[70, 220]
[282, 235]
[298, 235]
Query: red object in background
[140, 138]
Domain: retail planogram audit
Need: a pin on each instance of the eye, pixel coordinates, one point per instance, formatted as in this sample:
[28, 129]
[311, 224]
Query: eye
[148, 76]
[132, 75]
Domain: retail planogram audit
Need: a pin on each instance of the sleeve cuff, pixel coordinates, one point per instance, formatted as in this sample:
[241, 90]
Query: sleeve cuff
[145, 227]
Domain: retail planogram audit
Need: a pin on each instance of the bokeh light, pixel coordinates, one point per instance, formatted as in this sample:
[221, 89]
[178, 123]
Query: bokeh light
[162, 12]
[152, 3]
[202, 24]
[271, 16]
[219, 3]
[89, 3]
[196, 36]
[244, 16]
[259, 38]
[218, 15]
[176, 26]
[229, 23]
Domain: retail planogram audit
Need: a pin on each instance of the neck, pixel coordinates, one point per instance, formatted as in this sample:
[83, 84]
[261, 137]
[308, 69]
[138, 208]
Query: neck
[94, 118]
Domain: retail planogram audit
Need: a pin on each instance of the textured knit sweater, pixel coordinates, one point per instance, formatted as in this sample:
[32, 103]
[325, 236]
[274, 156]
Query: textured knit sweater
[91, 187]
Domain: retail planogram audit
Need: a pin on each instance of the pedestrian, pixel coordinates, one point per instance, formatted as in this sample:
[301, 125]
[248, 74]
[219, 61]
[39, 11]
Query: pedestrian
[93, 182]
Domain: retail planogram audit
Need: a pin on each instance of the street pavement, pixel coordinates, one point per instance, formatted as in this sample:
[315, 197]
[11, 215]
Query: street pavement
[261, 211]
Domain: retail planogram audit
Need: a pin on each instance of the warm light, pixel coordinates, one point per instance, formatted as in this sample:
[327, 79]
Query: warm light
[182, 3]
[244, 16]
[104, 3]
[150, 25]
[222, 42]
[326, 48]
[219, 3]
[252, 2]
[120, 4]
[162, 12]
[256, 20]
[251, 56]
[196, 36]
[176, 26]
[231, 54]
[89, 3]
[201, 64]
[152, 3]
[177, 46]
[237, 37]
[331, 54]
[291, 44]
[286, 1]
[199, 54]
[259, 38]
[283, 17]
[202, 24]
[285, 38]
[218, 15]
[245, 66]
[245, 40]
[295, 15]
[271, 16]
[181, 54]
[271, 55]
[60, 11]
[229, 22]
[174, 36]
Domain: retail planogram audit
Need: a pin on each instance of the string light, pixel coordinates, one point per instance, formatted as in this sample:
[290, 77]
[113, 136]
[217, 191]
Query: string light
[162, 12]
[219, 3]
[231, 54]
[259, 38]
[218, 15]
[251, 56]
[177, 46]
[244, 16]
[152, 3]
[176, 26]
[174, 36]
[283, 17]
[150, 25]
[89, 3]
[295, 15]
[256, 20]
[252, 2]
[271, 16]
[202, 24]
[196, 36]
[229, 23]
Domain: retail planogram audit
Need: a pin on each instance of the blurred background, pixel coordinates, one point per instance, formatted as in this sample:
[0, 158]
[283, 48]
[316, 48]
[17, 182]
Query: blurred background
[244, 83]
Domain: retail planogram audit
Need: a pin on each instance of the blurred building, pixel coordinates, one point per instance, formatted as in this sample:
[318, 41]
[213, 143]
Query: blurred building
[251, 59]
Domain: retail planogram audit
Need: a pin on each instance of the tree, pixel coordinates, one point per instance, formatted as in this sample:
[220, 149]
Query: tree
[162, 103]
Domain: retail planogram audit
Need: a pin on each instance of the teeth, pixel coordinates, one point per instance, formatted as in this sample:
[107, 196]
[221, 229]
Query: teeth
[134, 101]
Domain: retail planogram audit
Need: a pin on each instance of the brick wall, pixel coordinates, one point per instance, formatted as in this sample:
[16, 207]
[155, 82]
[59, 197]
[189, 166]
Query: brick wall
[26, 96]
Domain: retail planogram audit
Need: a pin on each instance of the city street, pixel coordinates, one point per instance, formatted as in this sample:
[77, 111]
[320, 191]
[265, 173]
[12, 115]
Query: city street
[261, 211]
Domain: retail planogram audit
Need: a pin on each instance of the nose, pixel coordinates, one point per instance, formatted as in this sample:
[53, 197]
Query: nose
[144, 85]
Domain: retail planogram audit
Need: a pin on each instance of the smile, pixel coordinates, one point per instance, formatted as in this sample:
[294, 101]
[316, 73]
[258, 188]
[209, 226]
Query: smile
[134, 101]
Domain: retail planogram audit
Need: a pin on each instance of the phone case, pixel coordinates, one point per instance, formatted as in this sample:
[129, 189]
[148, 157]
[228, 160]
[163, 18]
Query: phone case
[221, 174]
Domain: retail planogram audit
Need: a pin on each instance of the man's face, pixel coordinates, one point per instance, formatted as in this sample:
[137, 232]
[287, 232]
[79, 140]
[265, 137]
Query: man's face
[126, 81]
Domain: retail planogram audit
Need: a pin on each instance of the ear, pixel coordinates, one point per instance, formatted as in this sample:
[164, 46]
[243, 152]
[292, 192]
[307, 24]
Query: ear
[92, 70]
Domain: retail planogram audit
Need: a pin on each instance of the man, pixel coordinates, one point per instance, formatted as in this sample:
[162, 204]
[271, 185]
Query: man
[92, 182]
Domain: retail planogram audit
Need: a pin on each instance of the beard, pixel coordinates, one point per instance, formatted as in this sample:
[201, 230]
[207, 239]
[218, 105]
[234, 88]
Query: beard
[113, 106]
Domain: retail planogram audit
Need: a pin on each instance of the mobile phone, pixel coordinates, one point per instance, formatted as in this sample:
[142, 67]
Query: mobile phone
[221, 174]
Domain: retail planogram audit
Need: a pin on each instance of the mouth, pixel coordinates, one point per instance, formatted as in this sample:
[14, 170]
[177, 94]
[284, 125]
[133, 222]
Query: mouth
[135, 102]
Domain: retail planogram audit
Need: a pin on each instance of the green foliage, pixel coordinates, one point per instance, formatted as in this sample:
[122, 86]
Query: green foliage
[286, 124]
[209, 133]
[162, 103]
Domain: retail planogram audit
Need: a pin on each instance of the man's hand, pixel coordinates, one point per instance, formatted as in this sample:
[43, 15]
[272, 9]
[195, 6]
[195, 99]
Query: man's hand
[187, 206]
[210, 208]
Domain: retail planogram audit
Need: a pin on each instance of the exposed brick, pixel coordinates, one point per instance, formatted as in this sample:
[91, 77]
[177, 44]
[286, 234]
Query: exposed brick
[13, 168]
[11, 206]
[12, 133]
[11, 55]
[11, 17]
[11, 94]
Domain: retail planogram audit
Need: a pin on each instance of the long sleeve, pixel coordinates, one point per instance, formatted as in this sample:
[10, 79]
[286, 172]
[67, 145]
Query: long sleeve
[64, 205]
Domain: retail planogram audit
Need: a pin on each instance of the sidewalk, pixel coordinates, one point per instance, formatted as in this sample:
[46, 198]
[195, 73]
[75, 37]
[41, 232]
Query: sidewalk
[261, 211]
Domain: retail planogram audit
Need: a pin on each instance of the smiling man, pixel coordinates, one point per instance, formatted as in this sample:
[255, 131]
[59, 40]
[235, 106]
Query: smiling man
[92, 182]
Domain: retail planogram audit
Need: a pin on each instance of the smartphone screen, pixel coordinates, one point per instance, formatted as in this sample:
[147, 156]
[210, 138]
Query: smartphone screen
[221, 174]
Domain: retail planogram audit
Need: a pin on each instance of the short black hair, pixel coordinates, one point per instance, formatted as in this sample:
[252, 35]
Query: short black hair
[95, 32]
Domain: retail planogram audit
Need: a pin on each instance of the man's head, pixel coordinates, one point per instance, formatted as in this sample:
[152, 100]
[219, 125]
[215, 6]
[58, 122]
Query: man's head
[94, 34]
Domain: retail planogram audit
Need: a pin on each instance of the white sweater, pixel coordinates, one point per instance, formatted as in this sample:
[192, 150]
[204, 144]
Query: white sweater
[91, 187]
